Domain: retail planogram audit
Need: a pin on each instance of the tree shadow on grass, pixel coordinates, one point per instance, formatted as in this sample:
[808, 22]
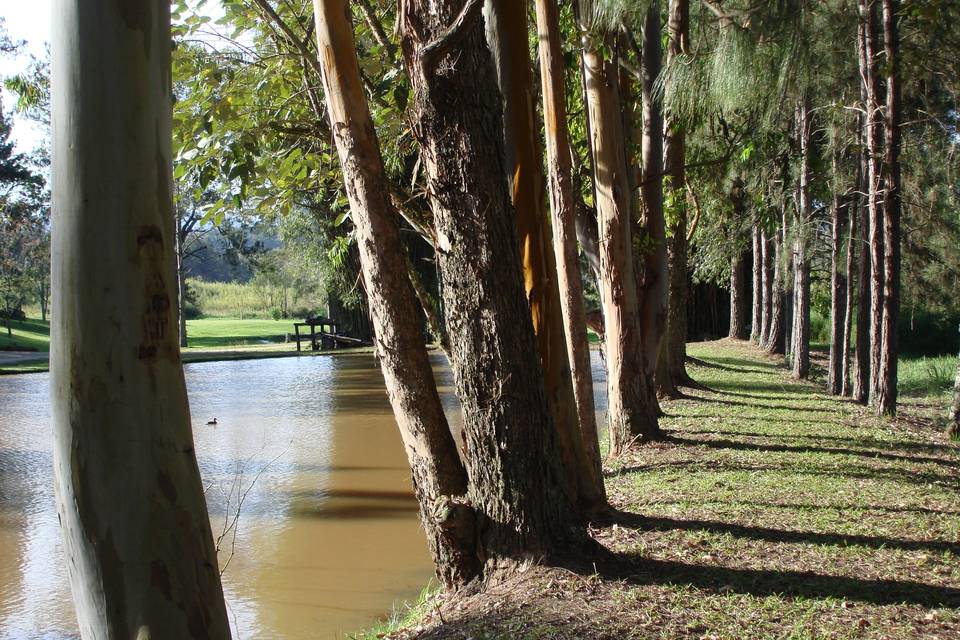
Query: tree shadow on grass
[720, 443]
[825, 506]
[874, 474]
[754, 405]
[652, 523]
[865, 441]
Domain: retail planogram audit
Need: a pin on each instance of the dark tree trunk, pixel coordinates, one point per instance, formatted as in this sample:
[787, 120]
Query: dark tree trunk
[439, 478]
[671, 371]
[838, 296]
[507, 37]
[516, 481]
[756, 300]
[654, 280]
[861, 353]
[890, 314]
[738, 326]
[801, 282]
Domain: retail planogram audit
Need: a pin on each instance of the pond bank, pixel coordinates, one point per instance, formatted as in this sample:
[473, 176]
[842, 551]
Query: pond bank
[772, 510]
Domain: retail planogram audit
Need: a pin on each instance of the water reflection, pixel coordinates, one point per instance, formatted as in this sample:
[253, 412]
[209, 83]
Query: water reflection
[308, 454]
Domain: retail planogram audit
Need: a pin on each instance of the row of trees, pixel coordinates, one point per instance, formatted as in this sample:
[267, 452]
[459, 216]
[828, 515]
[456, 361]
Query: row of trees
[437, 143]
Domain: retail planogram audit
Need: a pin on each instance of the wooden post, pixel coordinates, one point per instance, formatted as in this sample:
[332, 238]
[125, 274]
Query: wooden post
[296, 329]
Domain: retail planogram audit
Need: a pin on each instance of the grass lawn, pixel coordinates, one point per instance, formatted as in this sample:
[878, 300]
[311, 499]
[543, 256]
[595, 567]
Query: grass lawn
[771, 511]
[223, 332]
[29, 335]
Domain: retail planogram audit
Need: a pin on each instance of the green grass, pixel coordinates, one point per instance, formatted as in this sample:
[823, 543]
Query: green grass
[28, 335]
[224, 332]
[926, 376]
[771, 511]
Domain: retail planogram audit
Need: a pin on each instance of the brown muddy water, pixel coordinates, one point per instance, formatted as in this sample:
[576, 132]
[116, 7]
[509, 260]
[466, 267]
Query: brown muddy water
[327, 540]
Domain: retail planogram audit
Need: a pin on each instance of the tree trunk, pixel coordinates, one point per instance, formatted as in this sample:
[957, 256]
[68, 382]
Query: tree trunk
[838, 291]
[516, 481]
[801, 283]
[439, 478]
[766, 287]
[654, 281]
[181, 290]
[870, 78]
[887, 376]
[506, 24]
[953, 426]
[756, 300]
[137, 536]
[563, 208]
[671, 370]
[861, 382]
[852, 215]
[738, 328]
[631, 414]
[777, 337]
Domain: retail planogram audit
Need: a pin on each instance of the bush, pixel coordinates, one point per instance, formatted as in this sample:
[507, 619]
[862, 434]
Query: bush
[276, 314]
[928, 334]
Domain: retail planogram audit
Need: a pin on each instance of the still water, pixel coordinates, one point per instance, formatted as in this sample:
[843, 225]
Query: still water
[327, 538]
[305, 450]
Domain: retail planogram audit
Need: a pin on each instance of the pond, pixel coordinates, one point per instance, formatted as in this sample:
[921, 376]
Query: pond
[307, 484]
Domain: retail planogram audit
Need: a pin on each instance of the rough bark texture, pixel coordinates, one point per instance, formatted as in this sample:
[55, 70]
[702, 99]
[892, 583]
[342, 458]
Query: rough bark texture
[563, 208]
[506, 24]
[756, 299]
[874, 126]
[631, 415]
[439, 478]
[137, 538]
[846, 384]
[671, 370]
[887, 374]
[738, 326]
[801, 282]
[838, 296]
[776, 337]
[654, 281]
[861, 355]
[766, 286]
[516, 481]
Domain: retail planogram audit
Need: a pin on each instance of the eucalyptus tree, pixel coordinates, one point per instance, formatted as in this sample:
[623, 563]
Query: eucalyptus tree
[953, 426]
[140, 554]
[515, 476]
[632, 409]
[439, 478]
[563, 208]
[507, 37]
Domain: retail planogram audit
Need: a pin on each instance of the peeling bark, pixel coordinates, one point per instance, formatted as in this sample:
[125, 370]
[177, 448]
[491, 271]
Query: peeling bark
[439, 478]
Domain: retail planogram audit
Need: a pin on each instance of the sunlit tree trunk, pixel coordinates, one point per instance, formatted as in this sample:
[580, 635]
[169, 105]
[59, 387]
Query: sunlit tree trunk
[516, 480]
[887, 374]
[846, 383]
[766, 286]
[671, 371]
[801, 282]
[838, 291]
[738, 326]
[439, 478]
[655, 282]
[870, 78]
[506, 24]
[756, 299]
[139, 551]
[777, 336]
[563, 207]
[631, 415]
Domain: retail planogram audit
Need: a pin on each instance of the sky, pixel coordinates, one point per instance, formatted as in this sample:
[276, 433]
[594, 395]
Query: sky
[28, 20]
